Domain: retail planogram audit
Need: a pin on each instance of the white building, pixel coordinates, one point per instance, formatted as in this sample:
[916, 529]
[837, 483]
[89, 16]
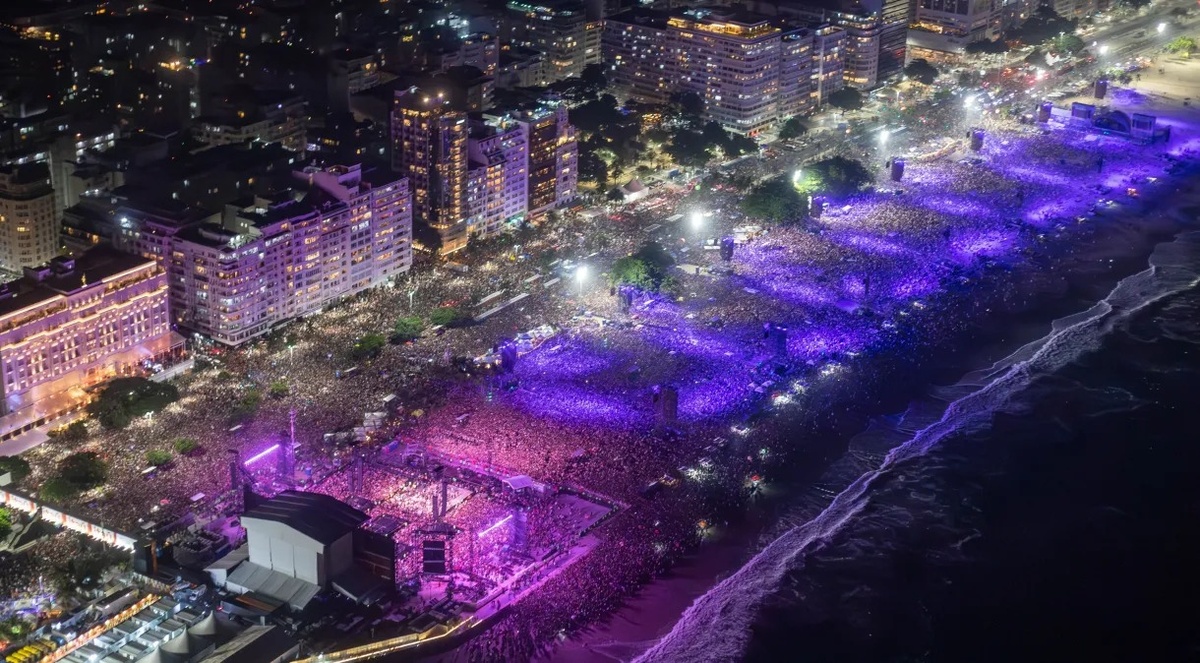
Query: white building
[30, 218]
[298, 543]
[277, 260]
[73, 324]
[946, 27]
[751, 71]
[497, 175]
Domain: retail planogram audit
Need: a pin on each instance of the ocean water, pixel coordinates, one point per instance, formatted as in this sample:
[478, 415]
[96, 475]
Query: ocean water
[1042, 509]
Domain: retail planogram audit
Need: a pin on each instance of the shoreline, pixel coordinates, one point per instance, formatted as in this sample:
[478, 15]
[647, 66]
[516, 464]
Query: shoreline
[657, 607]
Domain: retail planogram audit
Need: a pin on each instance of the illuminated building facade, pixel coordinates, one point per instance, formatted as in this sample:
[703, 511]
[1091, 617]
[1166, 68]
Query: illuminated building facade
[751, 70]
[429, 147]
[829, 46]
[30, 218]
[559, 29]
[498, 178]
[277, 260]
[945, 27]
[72, 324]
[553, 157]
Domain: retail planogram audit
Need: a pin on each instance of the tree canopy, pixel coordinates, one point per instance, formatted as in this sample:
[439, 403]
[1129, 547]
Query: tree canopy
[847, 99]
[407, 328]
[646, 269]
[921, 71]
[774, 200]
[1180, 44]
[158, 457]
[994, 47]
[123, 399]
[1068, 43]
[1044, 24]
[17, 466]
[793, 128]
[368, 346]
[835, 176]
[448, 316]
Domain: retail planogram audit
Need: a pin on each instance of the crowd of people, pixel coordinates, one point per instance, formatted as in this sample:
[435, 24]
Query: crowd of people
[585, 412]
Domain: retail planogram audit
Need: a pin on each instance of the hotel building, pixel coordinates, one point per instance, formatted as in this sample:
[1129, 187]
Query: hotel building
[30, 218]
[275, 260]
[72, 324]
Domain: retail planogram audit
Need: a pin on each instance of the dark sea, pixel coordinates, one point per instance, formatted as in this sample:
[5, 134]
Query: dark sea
[1067, 529]
[1045, 508]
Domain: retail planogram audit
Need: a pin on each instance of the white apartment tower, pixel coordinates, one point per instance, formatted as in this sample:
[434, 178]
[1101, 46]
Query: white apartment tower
[30, 218]
[276, 260]
[751, 71]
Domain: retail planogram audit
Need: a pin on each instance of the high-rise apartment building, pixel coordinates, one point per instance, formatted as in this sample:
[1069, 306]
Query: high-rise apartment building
[829, 46]
[558, 28]
[498, 175]
[72, 324]
[876, 33]
[945, 27]
[553, 157]
[752, 71]
[275, 260]
[30, 217]
[429, 147]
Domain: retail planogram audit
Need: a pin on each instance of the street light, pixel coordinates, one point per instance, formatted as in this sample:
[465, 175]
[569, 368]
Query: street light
[1162, 27]
[697, 220]
[1104, 49]
[883, 136]
[581, 274]
[796, 176]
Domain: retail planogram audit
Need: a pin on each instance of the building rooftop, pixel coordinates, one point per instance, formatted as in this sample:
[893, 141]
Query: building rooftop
[64, 276]
[318, 516]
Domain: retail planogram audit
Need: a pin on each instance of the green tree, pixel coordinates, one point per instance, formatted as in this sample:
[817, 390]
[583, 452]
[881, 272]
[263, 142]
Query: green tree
[83, 470]
[921, 71]
[158, 457]
[17, 466]
[1069, 43]
[185, 445]
[631, 271]
[990, 46]
[846, 99]
[689, 148]
[57, 489]
[836, 176]
[774, 200]
[448, 316]
[792, 128]
[6, 523]
[247, 406]
[1180, 45]
[124, 399]
[592, 168]
[367, 347]
[279, 389]
[407, 328]
[736, 145]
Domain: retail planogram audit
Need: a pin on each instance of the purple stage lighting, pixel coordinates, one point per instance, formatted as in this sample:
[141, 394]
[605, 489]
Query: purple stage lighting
[261, 455]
